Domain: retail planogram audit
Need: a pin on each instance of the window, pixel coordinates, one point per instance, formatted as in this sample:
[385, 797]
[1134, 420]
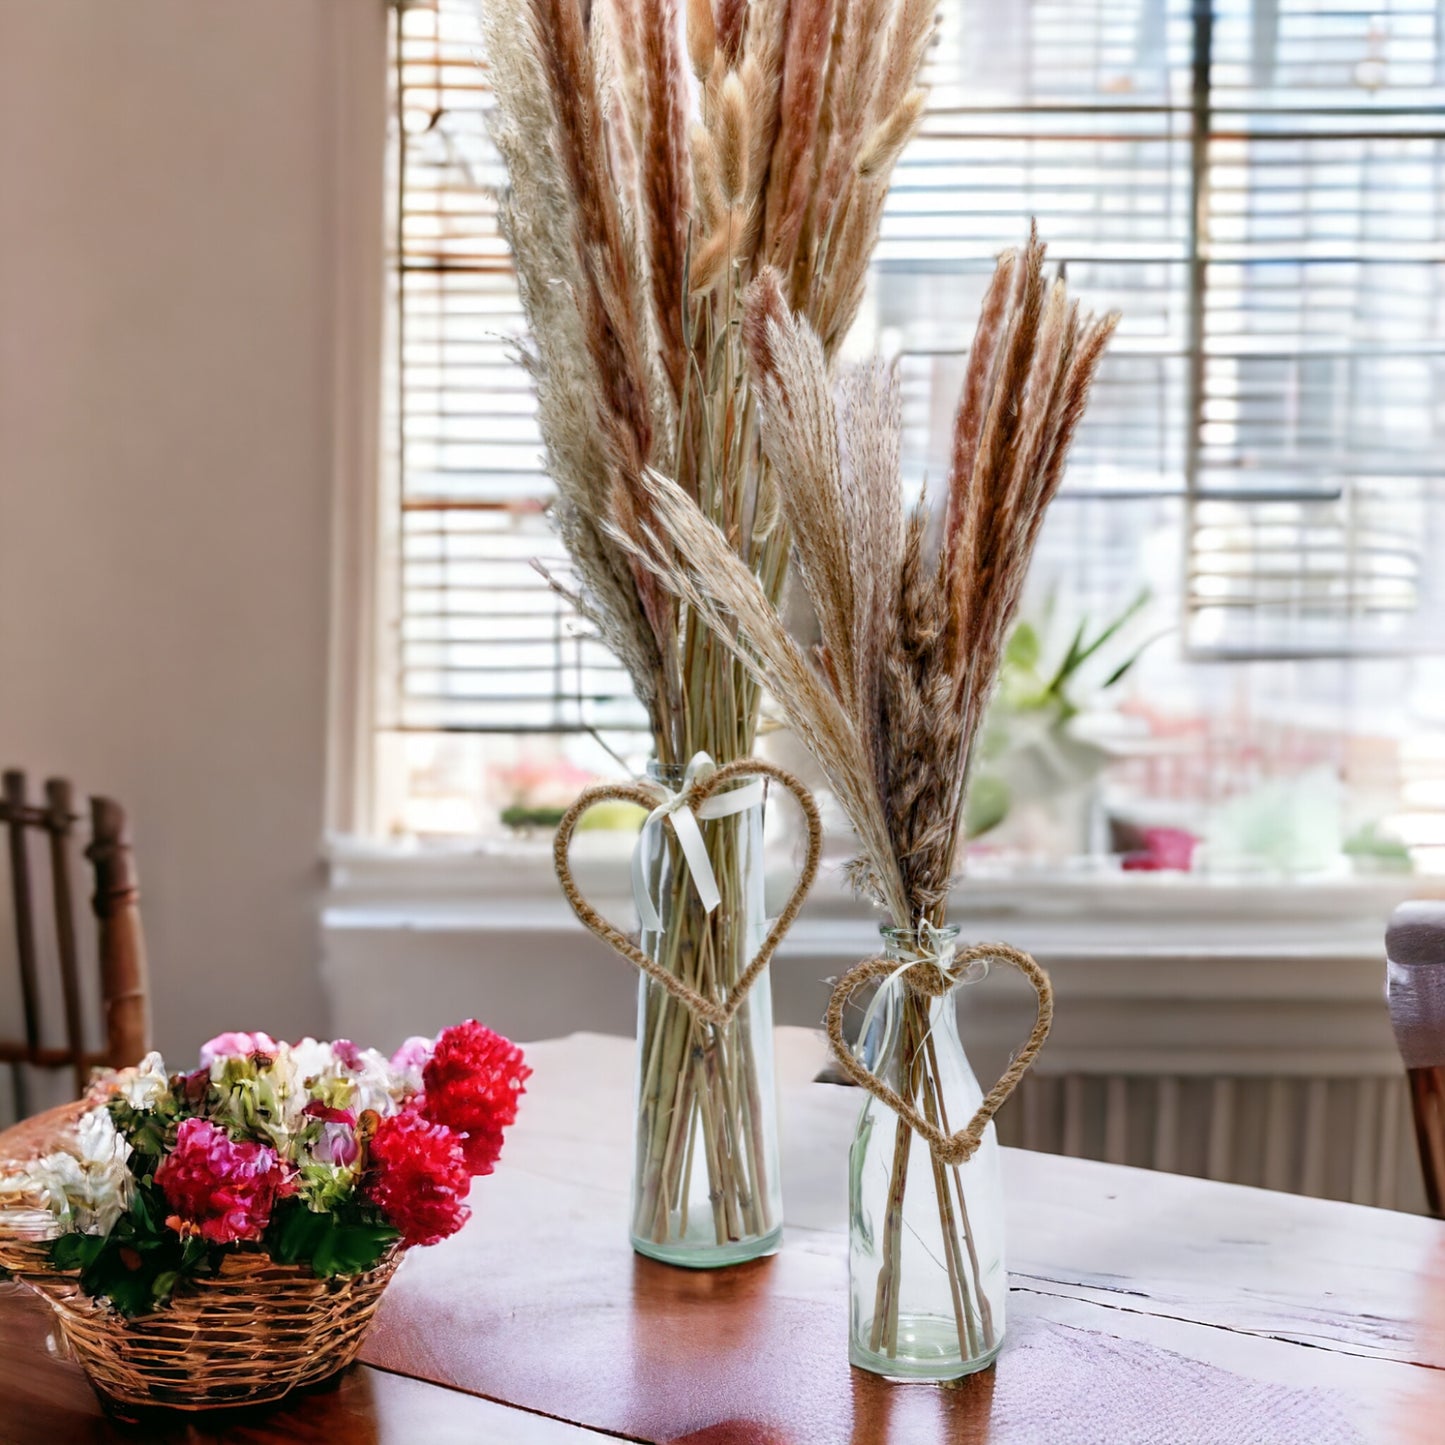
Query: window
[1259, 186]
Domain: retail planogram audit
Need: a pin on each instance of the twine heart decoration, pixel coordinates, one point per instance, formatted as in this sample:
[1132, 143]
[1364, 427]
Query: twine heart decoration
[706, 1010]
[932, 981]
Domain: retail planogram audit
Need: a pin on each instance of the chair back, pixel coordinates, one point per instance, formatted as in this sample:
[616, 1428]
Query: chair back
[120, 947]
[1415, 987]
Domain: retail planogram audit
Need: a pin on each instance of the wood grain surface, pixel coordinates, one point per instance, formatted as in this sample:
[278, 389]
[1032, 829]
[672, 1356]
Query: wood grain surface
[1143, 1308]
[45, 1400]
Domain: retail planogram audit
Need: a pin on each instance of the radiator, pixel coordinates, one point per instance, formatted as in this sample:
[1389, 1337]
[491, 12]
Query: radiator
[1334, 1138]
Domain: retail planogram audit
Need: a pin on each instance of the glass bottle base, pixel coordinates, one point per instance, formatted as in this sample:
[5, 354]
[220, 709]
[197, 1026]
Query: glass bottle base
[927, 1350]
[708, 1255]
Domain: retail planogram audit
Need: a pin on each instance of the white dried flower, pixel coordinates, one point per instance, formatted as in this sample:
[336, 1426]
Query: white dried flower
[86, 1185]
[145, 1085]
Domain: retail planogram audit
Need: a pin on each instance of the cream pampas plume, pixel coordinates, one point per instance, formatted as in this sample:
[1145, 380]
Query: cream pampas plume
[642, 204]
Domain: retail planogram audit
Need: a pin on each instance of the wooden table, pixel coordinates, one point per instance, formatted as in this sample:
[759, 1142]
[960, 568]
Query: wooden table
[1143, 1308]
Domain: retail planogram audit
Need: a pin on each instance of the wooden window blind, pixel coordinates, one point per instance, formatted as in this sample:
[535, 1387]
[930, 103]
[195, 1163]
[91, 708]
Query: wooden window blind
[1259, 185]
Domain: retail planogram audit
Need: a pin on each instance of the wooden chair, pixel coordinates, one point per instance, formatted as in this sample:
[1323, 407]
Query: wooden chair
[121, 948]
[1415, 953]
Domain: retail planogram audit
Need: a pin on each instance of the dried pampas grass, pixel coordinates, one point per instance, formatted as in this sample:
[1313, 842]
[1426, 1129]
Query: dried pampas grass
[657, 161]
[912, 614]
[660, 154]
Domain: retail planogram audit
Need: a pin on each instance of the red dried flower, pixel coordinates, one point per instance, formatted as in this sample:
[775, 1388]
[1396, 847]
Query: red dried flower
[416, 1175]
[220, 1188]
[472, 1082]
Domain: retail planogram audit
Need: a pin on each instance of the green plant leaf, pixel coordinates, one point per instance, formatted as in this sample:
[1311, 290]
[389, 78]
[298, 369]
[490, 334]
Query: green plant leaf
[352, 1248]
[141, 1211]
[986, 804]
[1023, 647]
[1071, 660]
[296, 1233]
[76, 1251]
[329, 1243]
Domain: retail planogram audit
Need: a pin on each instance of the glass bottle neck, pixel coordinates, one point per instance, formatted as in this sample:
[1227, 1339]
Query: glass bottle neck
[908, 1015]
[905, 944]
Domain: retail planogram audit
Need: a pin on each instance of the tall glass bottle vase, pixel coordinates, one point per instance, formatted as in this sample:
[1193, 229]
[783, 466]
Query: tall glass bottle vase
[925, 1247]
[705, 1189]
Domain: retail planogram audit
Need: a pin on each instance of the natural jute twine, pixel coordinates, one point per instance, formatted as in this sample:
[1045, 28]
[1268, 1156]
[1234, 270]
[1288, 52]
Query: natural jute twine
[927, 979]
[717, 1012]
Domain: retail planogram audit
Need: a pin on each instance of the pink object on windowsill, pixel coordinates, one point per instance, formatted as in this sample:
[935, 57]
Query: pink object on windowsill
[1164, 848]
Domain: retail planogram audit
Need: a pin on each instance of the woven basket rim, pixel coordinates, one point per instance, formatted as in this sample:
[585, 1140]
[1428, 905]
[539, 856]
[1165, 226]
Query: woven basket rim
[245, 1259]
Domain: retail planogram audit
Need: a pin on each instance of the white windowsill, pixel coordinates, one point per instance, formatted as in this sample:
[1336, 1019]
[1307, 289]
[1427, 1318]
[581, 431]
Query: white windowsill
[1101, 915]
[1156, 972]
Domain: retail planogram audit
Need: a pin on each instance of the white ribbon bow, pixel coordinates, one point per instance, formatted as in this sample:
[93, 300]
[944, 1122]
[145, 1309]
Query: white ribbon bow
[689, 836]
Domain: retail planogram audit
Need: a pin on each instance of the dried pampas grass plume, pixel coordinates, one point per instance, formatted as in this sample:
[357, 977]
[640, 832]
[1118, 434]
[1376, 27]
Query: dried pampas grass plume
[701, 37]
[733, 139]
[911, 628]
[661, 155]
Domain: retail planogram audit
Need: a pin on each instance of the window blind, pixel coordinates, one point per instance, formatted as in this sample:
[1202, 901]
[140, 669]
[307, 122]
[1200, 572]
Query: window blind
[1256, 184]
[481, 643]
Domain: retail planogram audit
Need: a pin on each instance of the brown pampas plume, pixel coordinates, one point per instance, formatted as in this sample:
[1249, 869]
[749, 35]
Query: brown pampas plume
[666, 180]
[733, 140]
[810, 33]
[911, 631]
[731, 18]
[888, 139]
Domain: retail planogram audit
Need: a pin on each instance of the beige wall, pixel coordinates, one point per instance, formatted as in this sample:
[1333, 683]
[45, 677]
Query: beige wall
[174, 194]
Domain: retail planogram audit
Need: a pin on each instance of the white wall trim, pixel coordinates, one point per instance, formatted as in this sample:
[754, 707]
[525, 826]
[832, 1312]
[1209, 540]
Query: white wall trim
[356, 242]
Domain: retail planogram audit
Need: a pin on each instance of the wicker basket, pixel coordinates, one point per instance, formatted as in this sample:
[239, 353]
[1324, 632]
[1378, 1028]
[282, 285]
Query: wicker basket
[248, 1335]
[244, 1336]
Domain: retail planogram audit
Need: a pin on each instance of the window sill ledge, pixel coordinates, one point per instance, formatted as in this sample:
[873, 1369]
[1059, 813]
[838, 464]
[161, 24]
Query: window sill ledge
[1101, 917]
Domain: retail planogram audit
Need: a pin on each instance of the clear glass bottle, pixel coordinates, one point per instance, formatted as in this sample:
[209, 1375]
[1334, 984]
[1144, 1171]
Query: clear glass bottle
[926, 1275]
[706, 1189]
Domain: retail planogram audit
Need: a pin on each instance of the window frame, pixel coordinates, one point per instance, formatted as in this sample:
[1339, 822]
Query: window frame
[365, 612]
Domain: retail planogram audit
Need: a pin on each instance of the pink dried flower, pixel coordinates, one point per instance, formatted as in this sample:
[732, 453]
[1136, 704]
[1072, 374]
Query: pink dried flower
[348, 1055]
[319, 1109]
[221, 1189]
[472, 1082]
[417, 1177]
[410, 1059]
[336, 1143]
[237, 1046]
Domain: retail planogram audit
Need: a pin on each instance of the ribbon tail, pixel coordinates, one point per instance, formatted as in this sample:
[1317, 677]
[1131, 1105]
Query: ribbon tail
[689, 837]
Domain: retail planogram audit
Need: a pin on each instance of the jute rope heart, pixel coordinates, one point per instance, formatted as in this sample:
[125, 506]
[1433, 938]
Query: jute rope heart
[929, 978]
[647, 795]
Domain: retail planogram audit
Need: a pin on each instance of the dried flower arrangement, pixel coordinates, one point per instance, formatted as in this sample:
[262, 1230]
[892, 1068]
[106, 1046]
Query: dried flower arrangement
[647, 190]
[913, 607]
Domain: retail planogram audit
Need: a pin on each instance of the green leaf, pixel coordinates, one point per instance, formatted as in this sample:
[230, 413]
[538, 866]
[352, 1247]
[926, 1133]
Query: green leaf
[353, 1248]
[986, 804]
[144, 1216]
[1112, 630]
[1074, 656]
[296, 1233]
[77, 1251]
[327, 1243]
[1023, 647]
[131, 1292]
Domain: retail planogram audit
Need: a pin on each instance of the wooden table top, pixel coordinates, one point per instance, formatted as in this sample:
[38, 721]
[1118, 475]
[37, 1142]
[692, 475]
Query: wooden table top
[1142, 1308]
